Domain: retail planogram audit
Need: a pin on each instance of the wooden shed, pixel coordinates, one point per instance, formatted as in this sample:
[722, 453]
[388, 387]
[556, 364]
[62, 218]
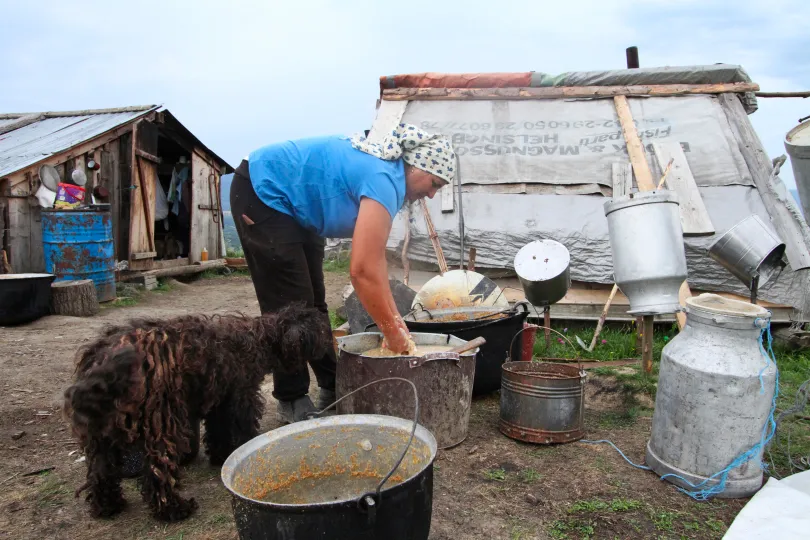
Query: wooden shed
[128, 154]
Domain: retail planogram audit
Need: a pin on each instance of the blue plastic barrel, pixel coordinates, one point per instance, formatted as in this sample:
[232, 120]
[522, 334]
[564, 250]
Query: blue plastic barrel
[78, 245]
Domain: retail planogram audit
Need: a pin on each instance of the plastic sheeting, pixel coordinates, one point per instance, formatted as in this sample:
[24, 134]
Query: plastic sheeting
[781, 509]
[498, 225]
[571, 142]
[710, 74]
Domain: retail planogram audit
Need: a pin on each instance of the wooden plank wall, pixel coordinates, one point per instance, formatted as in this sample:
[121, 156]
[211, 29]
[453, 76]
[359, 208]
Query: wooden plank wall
[25, 228]
[142, 200]
[204, 232]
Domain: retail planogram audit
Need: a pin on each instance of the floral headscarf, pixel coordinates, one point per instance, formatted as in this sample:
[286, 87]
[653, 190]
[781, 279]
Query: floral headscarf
[430, 153]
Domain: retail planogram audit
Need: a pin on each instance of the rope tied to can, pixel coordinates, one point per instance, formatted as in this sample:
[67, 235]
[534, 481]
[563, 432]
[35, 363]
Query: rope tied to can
[700, 491]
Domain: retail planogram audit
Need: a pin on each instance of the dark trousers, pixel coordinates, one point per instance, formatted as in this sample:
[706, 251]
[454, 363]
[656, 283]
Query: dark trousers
[286, 265]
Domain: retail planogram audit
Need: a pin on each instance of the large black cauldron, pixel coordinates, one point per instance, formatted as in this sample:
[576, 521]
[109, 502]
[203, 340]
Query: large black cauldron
[309, 480]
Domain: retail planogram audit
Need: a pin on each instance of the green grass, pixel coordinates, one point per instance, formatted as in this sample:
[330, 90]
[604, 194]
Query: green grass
[529, 476]
[614, 343]
[338, 264]
[621, 419]
[596, 505]
[664, 521]
[519, 530]
[571, 528]
[495, 475]
[335, 319]
[163, 286]
[124, 301]
[52, 492]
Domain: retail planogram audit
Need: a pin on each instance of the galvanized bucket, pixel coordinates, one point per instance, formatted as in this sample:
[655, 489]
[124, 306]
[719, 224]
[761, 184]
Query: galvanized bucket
[444, 384]
[543, 267]
[646, 240]
[749, 250]
[541, 402]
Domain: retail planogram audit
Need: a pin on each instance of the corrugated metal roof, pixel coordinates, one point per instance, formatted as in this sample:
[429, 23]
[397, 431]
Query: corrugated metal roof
[54, 134]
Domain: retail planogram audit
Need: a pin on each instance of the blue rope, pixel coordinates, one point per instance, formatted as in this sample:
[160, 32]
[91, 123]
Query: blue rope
[637, 466]
[698, 491]
[701, 493]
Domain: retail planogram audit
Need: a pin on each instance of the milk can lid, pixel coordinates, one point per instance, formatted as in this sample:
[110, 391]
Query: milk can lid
[714, 303]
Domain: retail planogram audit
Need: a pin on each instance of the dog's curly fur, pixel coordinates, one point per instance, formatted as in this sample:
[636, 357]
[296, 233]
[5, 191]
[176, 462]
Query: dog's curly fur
[150, 382]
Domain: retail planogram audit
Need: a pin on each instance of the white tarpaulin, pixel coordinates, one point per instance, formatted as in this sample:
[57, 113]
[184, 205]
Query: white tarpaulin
[780, 510]
[568, 142]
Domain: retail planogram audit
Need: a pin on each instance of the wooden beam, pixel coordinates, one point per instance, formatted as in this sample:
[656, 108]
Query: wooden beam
[782, 94]
[695, 219]
[147, 156]
[186, 270]
[21, 122]
[557, 92]
[634, 147]
[434, 238]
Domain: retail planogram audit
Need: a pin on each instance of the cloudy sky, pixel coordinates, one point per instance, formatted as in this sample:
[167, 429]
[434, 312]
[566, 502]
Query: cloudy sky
[243, 74]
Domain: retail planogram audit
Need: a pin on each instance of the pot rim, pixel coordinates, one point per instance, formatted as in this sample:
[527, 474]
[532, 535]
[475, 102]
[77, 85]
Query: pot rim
[228, 471]
[450, 340]
[12, 277]
[581, 373]
[640, 198]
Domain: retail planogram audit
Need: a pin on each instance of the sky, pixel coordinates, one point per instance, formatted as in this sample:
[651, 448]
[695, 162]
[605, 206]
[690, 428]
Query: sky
[244, 74]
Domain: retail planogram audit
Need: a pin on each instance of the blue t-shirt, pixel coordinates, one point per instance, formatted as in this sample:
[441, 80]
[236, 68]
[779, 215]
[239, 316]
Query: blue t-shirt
[320, 181]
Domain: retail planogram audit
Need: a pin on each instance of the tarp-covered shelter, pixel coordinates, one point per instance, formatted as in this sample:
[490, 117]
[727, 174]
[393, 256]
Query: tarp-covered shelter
[137, 151]
[539, 156]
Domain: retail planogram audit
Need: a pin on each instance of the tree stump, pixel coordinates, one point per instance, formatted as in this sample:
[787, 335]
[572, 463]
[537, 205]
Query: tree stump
[74, 298]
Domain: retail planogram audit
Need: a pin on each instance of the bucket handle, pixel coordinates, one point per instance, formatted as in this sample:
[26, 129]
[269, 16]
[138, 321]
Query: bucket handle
[370, 501]
[512, 344]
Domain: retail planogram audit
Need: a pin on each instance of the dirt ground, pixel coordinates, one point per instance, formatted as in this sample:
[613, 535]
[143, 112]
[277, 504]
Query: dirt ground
[487, 487]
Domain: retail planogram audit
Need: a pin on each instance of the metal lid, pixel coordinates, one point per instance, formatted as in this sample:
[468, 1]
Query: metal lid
[639, 198]
[49, 177]
[542, 260]
[799, 135]
[720, 305]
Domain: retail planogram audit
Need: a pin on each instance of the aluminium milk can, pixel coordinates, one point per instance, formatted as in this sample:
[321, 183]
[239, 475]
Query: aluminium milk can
[709, 408]
[646, 241]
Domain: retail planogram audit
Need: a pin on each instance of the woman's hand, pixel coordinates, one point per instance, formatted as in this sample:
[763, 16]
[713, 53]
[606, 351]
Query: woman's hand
[399, 338]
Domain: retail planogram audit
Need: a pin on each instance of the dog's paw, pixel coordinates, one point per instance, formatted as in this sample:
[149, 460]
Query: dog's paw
[106, 508]
[177, 510]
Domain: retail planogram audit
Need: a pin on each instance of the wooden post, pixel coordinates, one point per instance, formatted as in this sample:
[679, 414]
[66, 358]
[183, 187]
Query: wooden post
[434, 238]
[547, 324]
[647, 343]
[471, 262]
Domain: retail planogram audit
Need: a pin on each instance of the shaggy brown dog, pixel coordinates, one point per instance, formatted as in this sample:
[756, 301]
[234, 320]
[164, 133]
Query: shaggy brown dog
[149, 383]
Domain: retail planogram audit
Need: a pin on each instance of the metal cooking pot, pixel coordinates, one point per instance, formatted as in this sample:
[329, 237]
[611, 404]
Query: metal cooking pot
[543, 267]
[748, 250]
[444, 383]
[24, 297]
[317, 478]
